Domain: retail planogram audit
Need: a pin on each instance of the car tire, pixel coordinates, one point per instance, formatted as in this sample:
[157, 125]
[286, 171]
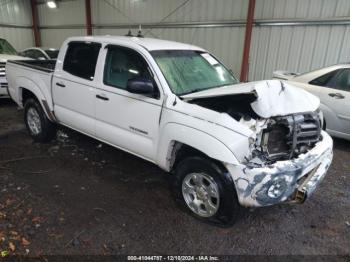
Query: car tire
[221, 208]
[40, 128]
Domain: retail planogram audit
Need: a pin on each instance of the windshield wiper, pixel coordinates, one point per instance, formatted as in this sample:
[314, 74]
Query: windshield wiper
[192, 91]
[203, 89]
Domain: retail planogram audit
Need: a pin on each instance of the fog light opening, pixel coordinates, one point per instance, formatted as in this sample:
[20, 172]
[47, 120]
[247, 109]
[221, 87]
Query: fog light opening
[277, 189]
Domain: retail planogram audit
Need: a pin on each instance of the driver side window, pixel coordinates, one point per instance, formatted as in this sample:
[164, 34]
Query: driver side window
[123, 64]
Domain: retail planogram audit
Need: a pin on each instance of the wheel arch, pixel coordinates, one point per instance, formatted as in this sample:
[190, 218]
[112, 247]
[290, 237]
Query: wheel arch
[178, 141]
[27, 92]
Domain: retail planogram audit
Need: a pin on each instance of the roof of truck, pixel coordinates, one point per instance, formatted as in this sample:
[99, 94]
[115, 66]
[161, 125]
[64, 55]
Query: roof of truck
[150, 44]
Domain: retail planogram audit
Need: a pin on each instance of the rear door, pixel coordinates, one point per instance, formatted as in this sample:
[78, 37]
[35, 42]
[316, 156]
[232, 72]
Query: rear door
[338, 97]
[73, 86]
[126, 120]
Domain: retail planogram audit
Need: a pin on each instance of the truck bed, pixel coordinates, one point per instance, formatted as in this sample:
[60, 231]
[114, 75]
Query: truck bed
[47, 66]
[35, 75]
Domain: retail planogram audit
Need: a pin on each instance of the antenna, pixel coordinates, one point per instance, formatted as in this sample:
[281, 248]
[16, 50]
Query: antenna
[139, 33]
[129, 33]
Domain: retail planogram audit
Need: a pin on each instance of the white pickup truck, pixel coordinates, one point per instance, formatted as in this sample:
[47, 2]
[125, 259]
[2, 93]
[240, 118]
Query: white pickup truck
[228, 145]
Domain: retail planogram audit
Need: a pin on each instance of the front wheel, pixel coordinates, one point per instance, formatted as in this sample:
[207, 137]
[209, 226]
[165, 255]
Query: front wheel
[206, 191]
[40, 128]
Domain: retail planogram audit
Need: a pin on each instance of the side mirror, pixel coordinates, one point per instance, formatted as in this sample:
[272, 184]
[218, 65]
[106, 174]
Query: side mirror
[141, 86]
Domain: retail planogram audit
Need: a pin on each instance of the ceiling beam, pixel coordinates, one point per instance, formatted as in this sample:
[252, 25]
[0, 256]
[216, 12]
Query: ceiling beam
[88, 17]
[35, 23]
[247, 41]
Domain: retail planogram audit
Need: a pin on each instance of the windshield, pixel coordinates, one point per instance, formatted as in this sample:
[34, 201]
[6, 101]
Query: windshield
[6, 48]
[52, 53]
[189, 71]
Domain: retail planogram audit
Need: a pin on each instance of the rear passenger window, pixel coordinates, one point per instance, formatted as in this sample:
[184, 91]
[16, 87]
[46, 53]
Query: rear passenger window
[343, 80]
[123, 64]
[325, 79]
[81, 59]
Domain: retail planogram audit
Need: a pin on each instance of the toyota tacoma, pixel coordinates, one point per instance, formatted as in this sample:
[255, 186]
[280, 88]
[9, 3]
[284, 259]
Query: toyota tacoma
[227, 145]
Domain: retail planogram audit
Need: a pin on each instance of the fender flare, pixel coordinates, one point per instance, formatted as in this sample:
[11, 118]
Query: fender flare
[203, 142]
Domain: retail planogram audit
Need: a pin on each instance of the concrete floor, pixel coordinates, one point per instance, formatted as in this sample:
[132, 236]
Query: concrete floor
[78, 196]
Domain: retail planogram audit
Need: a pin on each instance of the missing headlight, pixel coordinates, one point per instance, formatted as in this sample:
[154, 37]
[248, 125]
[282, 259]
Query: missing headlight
[288, 136]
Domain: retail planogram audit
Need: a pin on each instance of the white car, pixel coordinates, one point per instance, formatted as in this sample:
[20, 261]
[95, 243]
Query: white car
[226, 144]
[40, 53]
[332, 86]
[7, 52]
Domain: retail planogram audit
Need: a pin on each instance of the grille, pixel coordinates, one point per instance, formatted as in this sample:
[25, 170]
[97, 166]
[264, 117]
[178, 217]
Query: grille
[291, 135]
[307, 132]
[2, 69]
[308, 129]
[3, 85]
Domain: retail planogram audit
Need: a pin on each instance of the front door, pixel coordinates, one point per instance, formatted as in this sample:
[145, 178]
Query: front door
[126, 120]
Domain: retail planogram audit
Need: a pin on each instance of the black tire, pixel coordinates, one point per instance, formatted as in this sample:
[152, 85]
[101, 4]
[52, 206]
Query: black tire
[48, 129]
[229, 210]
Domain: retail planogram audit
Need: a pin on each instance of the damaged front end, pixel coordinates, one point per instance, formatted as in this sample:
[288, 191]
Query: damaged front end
[289, 153]
[283, 137]
[284, 180]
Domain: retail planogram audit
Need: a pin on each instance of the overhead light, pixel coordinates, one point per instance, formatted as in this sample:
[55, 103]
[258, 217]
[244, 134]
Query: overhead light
[51, 4]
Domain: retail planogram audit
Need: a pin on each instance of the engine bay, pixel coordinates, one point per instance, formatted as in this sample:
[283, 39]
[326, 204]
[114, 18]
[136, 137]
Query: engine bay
[276, 138]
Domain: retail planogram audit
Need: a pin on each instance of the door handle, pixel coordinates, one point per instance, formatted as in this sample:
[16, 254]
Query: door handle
[60, 84]
[102, 97]
[336, 95]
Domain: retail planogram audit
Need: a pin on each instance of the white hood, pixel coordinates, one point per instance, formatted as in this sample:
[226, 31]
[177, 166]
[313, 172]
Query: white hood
[274, 98]
[4, 57]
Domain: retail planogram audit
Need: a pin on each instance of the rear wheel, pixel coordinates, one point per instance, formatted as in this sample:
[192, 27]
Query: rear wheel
[40, 128]
[206, 191]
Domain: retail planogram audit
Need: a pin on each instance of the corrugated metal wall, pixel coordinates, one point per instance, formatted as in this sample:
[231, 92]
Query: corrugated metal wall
[15, 12]
[150, 11]
[273, 9]
[117, 12]
[297, 48]
[68, 13]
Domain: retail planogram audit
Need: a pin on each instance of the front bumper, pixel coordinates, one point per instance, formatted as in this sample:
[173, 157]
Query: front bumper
[284, 181]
